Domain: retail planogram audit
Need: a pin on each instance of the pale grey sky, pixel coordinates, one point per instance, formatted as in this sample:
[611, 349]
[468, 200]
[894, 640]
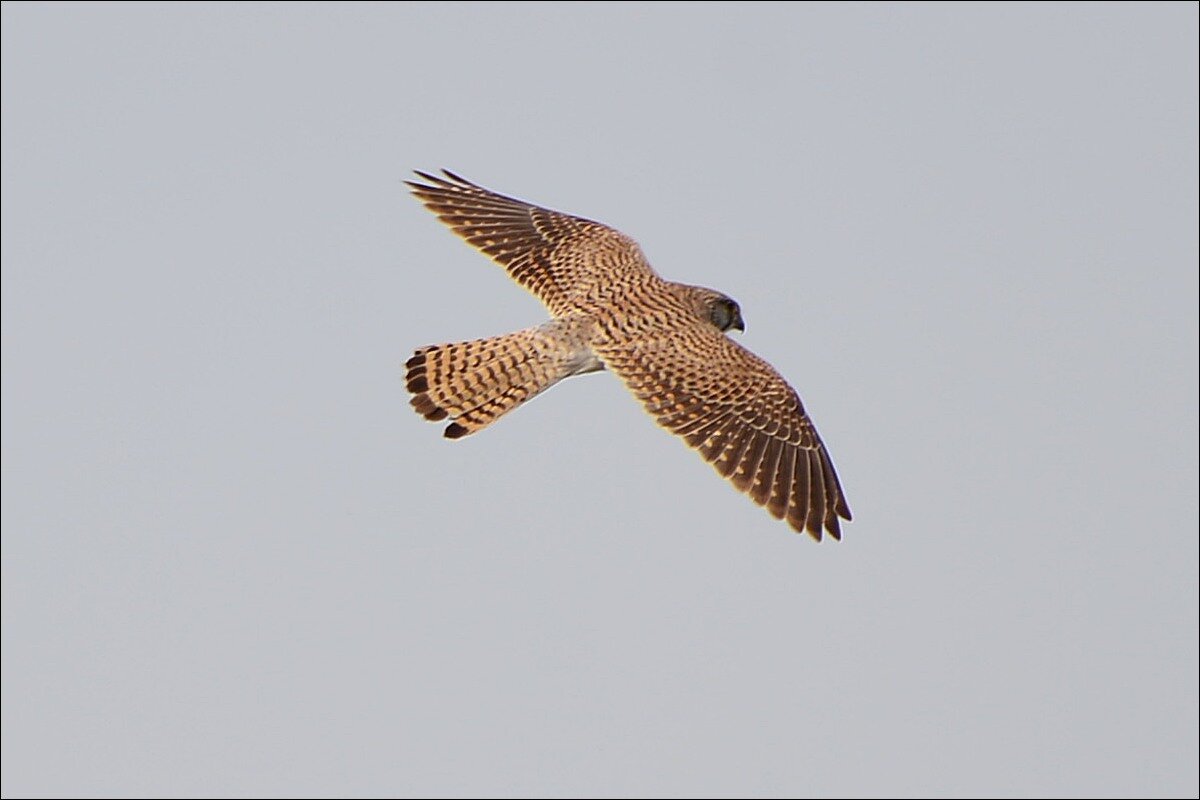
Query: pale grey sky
[235, 562]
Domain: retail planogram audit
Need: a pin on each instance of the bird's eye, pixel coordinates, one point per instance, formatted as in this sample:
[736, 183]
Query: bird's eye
[722, 314]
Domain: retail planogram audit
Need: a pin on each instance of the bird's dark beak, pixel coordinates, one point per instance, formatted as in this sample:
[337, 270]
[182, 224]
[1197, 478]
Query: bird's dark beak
[737, 324]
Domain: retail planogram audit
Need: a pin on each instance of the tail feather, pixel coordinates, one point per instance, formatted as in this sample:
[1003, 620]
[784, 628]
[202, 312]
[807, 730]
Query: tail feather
[475, 383]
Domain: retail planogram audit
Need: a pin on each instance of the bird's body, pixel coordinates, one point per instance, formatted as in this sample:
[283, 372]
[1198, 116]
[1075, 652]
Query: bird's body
[665, 340]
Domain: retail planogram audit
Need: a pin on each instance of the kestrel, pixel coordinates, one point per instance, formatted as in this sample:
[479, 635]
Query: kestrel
[609, 310]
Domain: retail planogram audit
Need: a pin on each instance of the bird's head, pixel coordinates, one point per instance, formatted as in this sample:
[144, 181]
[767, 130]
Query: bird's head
[717, 308]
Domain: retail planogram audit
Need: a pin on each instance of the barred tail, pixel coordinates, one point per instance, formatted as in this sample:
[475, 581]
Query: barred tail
[475, 383]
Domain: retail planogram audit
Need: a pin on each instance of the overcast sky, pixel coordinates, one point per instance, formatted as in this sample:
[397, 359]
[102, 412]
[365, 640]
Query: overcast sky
[235, 562]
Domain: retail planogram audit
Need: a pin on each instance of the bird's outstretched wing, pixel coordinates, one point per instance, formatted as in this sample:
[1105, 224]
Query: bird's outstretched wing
[742, 417]
[555, 256]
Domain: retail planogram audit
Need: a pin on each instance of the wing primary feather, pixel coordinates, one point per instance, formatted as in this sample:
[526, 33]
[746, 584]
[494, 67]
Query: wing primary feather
[765, 479]
[782, 487]
[816, 494]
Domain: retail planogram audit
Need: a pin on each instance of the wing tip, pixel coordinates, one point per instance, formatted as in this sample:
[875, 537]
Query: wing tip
[450, 180]
[458, 178]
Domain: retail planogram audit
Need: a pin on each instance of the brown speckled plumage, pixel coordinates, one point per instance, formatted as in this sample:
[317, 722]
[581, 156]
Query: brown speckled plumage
[665, 340]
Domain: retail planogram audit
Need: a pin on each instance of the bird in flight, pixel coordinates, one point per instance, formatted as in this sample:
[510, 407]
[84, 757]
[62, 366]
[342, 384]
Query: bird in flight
[666, 341]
